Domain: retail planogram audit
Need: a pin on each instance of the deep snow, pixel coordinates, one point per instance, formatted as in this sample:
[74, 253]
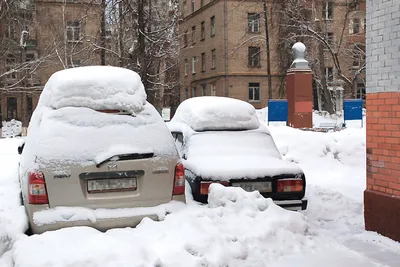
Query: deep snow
[237, 229]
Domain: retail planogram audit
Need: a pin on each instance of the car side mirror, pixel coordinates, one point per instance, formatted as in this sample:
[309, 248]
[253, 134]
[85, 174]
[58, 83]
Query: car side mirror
[21, 148]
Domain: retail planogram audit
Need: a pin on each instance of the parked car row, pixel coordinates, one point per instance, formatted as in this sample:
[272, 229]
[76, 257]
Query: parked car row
[94, 142]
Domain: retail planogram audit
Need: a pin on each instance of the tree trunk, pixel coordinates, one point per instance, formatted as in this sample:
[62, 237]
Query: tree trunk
[142, 44]
[103, 33]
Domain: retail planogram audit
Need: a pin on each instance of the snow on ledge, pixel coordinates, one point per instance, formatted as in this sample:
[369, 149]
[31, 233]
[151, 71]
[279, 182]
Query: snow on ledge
[73, 214]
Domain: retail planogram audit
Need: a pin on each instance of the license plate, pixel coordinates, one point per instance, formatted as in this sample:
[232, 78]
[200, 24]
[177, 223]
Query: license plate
[111, 185]
[262, 187]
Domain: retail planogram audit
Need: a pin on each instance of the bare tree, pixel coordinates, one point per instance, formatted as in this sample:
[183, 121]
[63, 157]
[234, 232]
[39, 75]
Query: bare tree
[310, 22]
[144, 38]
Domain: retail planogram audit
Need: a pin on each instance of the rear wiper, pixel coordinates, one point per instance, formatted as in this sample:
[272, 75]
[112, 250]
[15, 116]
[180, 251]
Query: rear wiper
[126, 157]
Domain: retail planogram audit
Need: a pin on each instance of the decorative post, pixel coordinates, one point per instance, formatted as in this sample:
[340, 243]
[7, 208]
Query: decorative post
[299, 89]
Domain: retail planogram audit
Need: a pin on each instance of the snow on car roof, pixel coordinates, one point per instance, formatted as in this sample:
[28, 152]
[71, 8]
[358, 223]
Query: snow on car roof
[95, 87]
[216, 113]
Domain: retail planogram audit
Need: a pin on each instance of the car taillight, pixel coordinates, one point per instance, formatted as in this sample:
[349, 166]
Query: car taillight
[205, 185]
[179, 181]
[37, 188]
[290, 185]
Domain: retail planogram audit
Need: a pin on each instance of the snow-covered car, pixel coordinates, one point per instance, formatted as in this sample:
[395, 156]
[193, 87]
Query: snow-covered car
[221, 140]
[95, 152]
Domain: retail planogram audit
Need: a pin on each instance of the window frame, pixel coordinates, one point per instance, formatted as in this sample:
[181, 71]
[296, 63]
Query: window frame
[203, 31]
[74, 30]
[253, 25]
[194, 60]
[254, 62]
[186, 65]
[254, 90]
[203, 62]
[212, 24]
[213, 59]
[328, 10]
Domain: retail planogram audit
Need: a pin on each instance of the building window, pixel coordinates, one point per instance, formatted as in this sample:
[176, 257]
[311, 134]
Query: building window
[355, 26]
[193, 5]
[185, 39]
[74, 63]
[203, 30]
[203, 89]
[361, 90]
[193, 35]
[253, 22]
[10, 65]
[184, 4]
[327, 11]
[254, 92]
[29, 105]
[10, 30]
[73, 31]
[186, 67]
[194, 65]
[254, 56]
[203, 62]
[329, 74]
[11, 108]
[202, 3]
[213, 59]
[213, 89]
[329, 38]
[212, 26]
[30, 57]
[186, 93]
[194, 91]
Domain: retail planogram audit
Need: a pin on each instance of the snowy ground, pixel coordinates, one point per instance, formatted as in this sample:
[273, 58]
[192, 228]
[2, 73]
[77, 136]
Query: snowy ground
[236, 229]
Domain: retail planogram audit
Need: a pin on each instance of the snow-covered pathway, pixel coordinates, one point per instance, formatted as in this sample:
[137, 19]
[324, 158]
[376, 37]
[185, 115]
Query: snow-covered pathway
[329, 233]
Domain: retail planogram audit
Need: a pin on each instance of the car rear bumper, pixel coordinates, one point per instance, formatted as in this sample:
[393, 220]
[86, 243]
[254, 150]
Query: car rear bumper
[294, 205]
[42, 218]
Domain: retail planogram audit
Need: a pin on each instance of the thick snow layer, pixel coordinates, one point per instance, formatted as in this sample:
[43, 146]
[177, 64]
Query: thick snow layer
[200, 236]
[234, 230]
[13, 221]
[235, 154]
[216, 113]
[73, 214]
[95, 87]
[84, 136]
[11, 128]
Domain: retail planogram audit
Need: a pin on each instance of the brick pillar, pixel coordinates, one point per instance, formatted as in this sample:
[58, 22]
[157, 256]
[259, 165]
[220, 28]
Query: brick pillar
[299, 92]
[382, 196]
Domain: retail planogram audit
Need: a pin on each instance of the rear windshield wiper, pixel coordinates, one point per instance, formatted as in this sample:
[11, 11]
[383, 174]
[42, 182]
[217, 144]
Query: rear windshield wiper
[126, 157]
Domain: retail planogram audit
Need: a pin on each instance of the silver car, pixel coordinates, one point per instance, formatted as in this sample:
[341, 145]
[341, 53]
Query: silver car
[94, 166]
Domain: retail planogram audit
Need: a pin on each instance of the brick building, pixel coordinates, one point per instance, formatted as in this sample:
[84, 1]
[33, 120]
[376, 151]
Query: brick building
[382, 196]
[223, 48]
[37, 38]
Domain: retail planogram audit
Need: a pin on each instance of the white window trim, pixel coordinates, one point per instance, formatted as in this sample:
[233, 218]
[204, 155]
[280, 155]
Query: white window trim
[213, 89]
[253, 93]
[194, 59]
[253, 24]
[186, 67]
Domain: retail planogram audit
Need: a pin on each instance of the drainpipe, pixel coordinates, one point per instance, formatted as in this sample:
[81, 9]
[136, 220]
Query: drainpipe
[226, 46]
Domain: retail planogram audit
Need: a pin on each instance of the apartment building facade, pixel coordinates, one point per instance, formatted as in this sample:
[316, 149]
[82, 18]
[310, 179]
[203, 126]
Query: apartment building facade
[223, 47]
[38, 38]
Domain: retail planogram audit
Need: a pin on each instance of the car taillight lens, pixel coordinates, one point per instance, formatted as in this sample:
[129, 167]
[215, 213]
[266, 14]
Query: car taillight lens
[205, 185]
[290, 185]
[37, 188]
[179, 181]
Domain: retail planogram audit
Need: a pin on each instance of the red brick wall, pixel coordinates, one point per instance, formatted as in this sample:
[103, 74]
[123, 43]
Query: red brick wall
[383, 142]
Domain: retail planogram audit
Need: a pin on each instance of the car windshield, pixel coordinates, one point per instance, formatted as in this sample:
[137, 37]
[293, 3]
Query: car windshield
[231, 143]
